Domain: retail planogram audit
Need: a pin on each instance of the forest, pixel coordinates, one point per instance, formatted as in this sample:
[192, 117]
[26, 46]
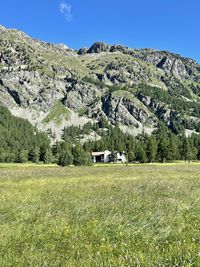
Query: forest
[21, 142]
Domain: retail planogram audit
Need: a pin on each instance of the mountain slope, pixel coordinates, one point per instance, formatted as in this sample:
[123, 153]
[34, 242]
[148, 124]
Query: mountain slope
[53, 86]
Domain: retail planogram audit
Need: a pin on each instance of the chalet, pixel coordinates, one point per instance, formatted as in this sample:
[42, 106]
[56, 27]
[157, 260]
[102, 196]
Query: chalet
[106, 157]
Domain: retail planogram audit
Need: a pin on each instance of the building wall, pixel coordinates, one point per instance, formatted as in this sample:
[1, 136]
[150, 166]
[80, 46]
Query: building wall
[107, 156]
[121, 157]
[98, 158]
[94, 159]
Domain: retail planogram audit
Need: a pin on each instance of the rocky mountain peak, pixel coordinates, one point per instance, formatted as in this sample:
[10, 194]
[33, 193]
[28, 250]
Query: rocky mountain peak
[82, 51]
[53, 86]
[98, 47]
[62, 46]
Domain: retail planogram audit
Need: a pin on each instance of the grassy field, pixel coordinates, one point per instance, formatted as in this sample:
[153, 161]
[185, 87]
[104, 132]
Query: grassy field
[102, 216]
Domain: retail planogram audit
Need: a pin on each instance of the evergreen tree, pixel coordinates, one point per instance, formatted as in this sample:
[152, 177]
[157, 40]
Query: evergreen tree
[141, 153]
[163, 149]
[47, 158]
[80, 156]
[151, 148]
[185, 149]
[22, 156]
[65, 158]
[36, 155]
[10, 156]
[131, 156]
[173, 148]
[163, 142]
[189, 151]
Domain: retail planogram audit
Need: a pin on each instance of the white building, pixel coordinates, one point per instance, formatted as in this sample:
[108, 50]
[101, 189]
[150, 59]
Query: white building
[105, 157]
[121, 157]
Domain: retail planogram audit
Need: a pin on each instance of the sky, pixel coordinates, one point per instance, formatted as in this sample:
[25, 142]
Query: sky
[172, 25]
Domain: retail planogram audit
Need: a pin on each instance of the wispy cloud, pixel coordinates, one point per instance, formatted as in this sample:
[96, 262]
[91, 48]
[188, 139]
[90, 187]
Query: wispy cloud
[66, 10]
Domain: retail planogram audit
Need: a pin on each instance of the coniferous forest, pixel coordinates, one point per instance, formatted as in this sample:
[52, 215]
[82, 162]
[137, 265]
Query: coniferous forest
[21, 142]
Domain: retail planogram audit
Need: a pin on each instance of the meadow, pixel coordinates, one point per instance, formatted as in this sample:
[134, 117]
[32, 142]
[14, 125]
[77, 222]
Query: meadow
[100, 216]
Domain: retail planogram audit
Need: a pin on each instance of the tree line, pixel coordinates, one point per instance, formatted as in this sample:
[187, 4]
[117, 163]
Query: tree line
[162, 145]
[21, 142]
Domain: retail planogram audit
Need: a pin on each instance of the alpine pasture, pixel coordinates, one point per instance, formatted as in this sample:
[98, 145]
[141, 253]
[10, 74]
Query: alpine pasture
[100, 216]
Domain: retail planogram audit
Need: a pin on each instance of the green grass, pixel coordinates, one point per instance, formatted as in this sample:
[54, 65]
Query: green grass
[125, 94]
[82, 111]
[140, 215]
[57, 113]
[26, 165]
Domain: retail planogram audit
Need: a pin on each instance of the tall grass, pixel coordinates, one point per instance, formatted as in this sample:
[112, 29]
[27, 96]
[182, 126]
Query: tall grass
[105, 216]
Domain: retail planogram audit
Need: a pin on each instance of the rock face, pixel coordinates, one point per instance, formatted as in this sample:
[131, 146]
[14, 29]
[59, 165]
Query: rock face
[82, 51]
[98, 48]
[104, 80]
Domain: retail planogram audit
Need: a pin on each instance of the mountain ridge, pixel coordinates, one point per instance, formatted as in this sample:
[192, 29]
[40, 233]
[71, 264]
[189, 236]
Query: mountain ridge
[135, 88]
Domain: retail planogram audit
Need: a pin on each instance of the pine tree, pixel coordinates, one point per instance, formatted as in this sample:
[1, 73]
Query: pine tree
[163, 149]
[173, 148]
[163, 142]
[47, 157]
[141, 153]
[151, 149]
[36, 155]
[65, 158]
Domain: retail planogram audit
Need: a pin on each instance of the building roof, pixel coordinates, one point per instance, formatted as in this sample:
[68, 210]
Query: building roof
[107, 152]
[97, 153]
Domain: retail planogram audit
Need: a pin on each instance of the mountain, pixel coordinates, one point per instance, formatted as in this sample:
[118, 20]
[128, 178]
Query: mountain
[54, 86]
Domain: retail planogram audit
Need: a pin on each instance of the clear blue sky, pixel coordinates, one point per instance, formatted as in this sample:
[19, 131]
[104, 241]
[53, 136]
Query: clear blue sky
[172, 25]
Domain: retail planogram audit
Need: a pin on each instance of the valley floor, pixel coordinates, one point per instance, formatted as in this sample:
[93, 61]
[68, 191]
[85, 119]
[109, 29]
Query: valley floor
[140, 215]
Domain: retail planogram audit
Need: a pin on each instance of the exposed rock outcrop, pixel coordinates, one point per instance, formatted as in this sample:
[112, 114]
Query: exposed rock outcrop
[103, 80]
